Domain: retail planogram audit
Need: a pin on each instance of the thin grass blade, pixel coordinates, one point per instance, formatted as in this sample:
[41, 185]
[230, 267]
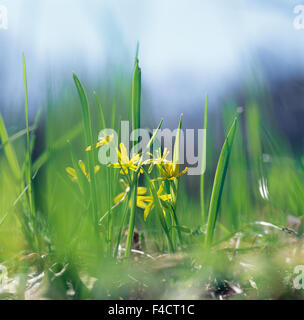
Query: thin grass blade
[9, 151]
[89, 142]
[218, 184]
[202, 191]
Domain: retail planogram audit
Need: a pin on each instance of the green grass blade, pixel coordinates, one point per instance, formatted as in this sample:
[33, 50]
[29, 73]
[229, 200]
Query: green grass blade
[176, 152]
[134, 194]
[100, 111]
[89, 142]
[136, 96]
[132, 216]
[147, 148]
[33, 133]
[9, 151]
[28, 161]
[114, 107]
[13, 205]
[218, 183]
[15, 136]
[124, 212]
[174, 183]
[159, 209]
[202, 195]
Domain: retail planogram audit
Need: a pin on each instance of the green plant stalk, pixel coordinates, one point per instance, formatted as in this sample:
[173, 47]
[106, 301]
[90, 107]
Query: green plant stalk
[169, 221]
[133, 187]
[159, 210]
[253, 128]
[147, 148]
[132, 216]
[174, 215]
[176, 152]
[109, 218]
[218, 184]
[89, 142]
[28, 160]
[174, 183]
[9, 151]
[15, 136]
[114, 107]
[177, 225]
[202, 190]
[100, 111]
[136, 95]
[123, 222]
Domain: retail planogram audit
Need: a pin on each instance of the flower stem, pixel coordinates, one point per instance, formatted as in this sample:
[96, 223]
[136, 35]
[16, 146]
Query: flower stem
[132, 216]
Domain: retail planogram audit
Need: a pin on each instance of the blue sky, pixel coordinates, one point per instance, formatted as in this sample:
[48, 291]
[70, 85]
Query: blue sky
[186, 47]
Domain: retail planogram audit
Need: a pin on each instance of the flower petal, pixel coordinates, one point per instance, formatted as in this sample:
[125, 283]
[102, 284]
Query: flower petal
[124, 155]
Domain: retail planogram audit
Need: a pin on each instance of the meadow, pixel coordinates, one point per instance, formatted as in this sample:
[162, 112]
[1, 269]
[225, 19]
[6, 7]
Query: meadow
[72, 228]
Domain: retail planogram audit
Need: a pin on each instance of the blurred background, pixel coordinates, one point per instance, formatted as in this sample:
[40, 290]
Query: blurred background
[230, 51]
[248, 57]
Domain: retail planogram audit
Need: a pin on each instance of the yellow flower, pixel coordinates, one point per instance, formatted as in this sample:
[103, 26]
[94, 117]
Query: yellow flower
[148, 201]
[73, 175]
[156, 160]
[122, 196]
[124, 163]
[101, 142]
[168, 169]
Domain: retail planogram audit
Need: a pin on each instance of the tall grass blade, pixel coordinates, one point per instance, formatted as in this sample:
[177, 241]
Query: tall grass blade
[89, 142]
[15, 136]
[202, 191]
[174, 183]
[176, 152]
[9, 151]
[100, 111]
[132, 216]
[218, 183]
[136, 96]
[114, 107]
[28, 161]
[134, 194]
[160, 210]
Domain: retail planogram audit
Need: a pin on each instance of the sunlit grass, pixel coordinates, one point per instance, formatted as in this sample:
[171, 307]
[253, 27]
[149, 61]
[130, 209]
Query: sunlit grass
[83, 230]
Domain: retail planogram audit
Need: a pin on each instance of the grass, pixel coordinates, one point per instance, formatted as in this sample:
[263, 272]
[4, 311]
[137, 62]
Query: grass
[65, 233]
[218, 184]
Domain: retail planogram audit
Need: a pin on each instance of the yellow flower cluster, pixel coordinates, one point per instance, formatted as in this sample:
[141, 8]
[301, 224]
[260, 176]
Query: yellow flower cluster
[73, 174]
[167, 169]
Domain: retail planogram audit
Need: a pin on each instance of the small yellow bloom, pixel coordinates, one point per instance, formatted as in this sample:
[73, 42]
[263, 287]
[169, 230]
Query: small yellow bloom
[149, 200]
[122, 196]
[73, 175]
[124, 162]
[101, 142]
[168, 169]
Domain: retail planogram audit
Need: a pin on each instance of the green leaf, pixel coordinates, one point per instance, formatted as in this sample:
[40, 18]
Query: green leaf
[89, 142]
[9, 151]
[202, 195]
[218, 183]
[136, 96]
[148, 146]
[176, 152]
[28, 162]
[159, 210]
[100, 111]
